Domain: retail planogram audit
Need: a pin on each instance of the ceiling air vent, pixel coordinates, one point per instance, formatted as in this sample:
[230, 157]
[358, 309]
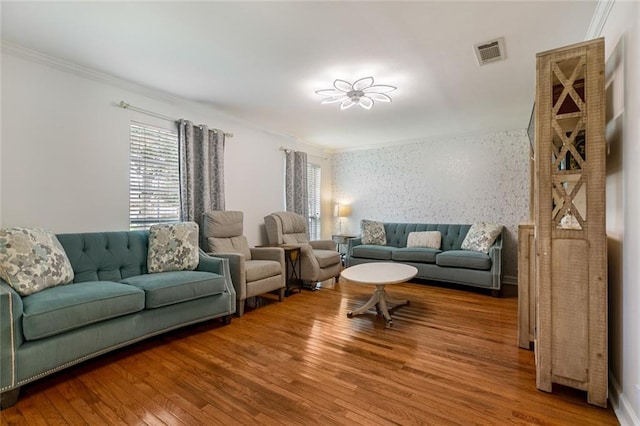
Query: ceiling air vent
[490, 51]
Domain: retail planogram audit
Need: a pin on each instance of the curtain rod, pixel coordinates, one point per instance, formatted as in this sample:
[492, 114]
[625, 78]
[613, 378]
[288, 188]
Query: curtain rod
[282, 148]
[125, 105]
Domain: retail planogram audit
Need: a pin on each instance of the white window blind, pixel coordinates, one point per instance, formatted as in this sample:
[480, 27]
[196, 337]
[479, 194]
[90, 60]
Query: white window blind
[154, 178]
[313, 191]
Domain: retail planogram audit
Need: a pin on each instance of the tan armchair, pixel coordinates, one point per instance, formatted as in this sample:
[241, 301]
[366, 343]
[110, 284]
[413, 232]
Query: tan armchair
[254, 271]
[320, 260]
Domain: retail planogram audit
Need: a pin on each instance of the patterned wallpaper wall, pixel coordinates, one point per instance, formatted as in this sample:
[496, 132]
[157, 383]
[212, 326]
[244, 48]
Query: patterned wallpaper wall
[459, 180]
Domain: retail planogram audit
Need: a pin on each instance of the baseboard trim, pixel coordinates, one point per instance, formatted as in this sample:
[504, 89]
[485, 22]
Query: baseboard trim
[510, 280]
[621, 405]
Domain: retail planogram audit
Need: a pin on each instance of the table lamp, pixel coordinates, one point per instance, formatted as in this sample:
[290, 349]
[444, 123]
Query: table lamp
[340, 211]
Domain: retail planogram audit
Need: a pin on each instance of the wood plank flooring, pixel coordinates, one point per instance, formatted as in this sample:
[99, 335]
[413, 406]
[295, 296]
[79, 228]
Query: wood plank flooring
[451, 358]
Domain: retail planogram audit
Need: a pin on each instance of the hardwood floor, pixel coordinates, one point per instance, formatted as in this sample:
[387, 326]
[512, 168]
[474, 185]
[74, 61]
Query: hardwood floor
[451, 358]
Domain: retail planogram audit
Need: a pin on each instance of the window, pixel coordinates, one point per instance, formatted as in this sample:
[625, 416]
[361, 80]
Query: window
[154, 178]
[313, 191]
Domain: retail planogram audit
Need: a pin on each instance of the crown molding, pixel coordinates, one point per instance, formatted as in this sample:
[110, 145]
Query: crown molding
[101, 77]
[430, 139]
[599, 18]
[85, 72]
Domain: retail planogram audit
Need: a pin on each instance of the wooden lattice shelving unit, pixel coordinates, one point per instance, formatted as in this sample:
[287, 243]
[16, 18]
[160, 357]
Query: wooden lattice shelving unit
[569, 219]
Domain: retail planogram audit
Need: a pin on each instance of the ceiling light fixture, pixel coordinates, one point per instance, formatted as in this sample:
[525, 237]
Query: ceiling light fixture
[362, 92]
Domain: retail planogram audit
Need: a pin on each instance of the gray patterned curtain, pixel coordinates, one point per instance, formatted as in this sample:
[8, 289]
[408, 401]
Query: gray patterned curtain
[201, 170]
[296, 183]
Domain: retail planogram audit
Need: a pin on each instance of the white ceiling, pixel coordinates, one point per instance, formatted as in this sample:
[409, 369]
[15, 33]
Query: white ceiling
[263, 61]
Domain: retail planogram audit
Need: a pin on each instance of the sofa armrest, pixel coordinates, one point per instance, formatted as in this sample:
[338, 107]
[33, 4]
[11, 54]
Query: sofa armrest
[268, 253]
[219, 266]
[209, 263]
[323, 244]
[352, 242]
[308, 262]
[495, 253]
[11, 337]
[237, 270]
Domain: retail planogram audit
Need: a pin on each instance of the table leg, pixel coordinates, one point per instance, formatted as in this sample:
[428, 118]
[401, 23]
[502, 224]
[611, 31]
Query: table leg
[379, 299]
[375, 298]
[383, 308]
[395, 301]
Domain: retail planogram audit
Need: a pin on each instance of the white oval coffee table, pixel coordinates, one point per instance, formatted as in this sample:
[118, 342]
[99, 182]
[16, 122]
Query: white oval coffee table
[379, 274]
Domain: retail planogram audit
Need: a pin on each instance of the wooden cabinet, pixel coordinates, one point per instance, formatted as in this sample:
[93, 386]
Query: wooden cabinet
[526, 286]
[569, 220]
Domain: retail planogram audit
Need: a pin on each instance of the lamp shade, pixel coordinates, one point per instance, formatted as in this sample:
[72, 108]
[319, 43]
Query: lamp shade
[342, 210]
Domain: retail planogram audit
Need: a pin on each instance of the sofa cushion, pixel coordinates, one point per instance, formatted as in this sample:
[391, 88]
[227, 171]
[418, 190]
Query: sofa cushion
[237, 244]
[298, 238]
[260, 269]
[373, 252]
[167, 288]
[106, 256]
[481, 236]
[326, 257]
[464, 259]
[64, 308]
[292, 223]
[415, 254]
[223, 224]
[431, 239]
[32, 259]
[373, 232]
[173, 247]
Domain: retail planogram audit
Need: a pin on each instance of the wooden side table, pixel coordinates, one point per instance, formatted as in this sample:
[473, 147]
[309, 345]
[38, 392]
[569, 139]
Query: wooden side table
[293, 266]
[341, 243]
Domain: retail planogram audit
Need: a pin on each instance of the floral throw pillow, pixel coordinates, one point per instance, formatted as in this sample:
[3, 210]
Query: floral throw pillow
[373, 232]
[32, 259]
[430, 239]
[173, 247]
[481, 236]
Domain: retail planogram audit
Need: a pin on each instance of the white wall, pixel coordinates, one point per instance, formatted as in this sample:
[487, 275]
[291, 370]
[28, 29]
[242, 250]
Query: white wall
[456, 180]
[65, 150]
[622, 45]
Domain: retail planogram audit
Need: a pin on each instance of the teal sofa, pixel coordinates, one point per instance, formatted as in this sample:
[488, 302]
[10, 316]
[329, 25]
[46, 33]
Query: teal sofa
[448, 264]
[113, 302]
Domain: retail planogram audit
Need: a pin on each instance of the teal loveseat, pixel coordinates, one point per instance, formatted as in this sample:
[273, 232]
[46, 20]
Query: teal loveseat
[449, 263]
[112, 302]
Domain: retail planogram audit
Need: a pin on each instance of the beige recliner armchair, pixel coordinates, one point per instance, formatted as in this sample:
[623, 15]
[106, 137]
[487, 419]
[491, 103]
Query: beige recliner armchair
[254, 271]
[320, 260]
